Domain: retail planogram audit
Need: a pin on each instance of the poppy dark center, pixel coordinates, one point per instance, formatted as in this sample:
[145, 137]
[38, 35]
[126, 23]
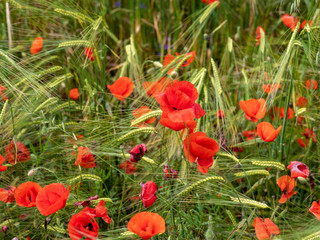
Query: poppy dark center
[89, 227]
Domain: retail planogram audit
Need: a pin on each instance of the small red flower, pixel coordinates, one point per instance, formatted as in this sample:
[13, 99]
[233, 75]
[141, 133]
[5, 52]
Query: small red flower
[83, 225]
[21, 152]
[309, 134]
[85, 158]
[26, 194]
[89, 54]
[220, 114]
[265, 228]
[2, 168]
[147, 224]
[52, 198]
[169, 58]
[258, 37]
[268, 88]
[2, 93]
[7, 194]
[74, 94]
[250, 134]
[302, 102]
[128, 166]
[267, 132]
[311, 84]
[122, 88]
[289, 21]
[200, 150]
[305, 22]
[302, 143]
[138, 152]
[148, 193]
[254, 109]
[36, 46]
[289, 115]
[169, 174]
[315, 209]
[286, 185]
[139, 112]
[298, 169]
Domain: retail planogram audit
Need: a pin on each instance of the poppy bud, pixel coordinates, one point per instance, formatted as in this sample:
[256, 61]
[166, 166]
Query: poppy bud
[137, 152]
[157, 64]
[32, 172]
[5, 228]
[15, 238]
[173, 74]
[148, 193]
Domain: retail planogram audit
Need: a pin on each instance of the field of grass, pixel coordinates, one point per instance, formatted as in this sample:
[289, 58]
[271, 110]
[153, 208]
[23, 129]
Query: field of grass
[82, 82]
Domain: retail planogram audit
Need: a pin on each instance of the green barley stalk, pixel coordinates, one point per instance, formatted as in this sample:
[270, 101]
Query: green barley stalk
[313, 236]
[82, 177]
[188, 189]
[55, 229]
[146, 116]
[47, 103]
[3, 111]
[134, 133]
[252, 172]
[220, 154]
[251, 202]
[84, 43]
[232, 218]
[76, 15]
[268, 164]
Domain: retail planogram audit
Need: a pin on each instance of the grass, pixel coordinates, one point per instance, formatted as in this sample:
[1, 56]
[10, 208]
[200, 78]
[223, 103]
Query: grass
[131, 40]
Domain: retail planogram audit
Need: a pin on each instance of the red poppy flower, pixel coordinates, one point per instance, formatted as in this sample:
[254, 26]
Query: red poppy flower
[148, 193]
[286, 185]
[267, 132]
[250, 134]
[271, 87]
[85, 158]
[138, 152]
[140, 112]
[89, 54]
[309, 134]
[178, 106]
[302, 143]
[258, 37]
[299, 119]
[169, 58]
[26, 194]
[2, 94]
[265, 228]
[153, 88]
[209, 1]
[147, 224]
[74, 94]
[21, 152]
[122, 88]
[201, 150]
[52, 198]
[169, 174]
[315, 209]
[254, 109]
[289, 21]
[99, 211]
[2, 168]
[298, 169]
[220, 114]
[302, 102]
[7, 194]
[83, 225]
[311, 84]
[36, 45]
[305, 22]
[289, 115]
[128, 166]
